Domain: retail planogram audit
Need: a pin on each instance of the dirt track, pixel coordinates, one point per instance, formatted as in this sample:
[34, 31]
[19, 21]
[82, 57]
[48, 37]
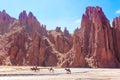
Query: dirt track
[24, 73]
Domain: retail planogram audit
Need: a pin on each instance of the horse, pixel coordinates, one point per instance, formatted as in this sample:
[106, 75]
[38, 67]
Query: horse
[68, 71]
[35, 68]
[51, 69]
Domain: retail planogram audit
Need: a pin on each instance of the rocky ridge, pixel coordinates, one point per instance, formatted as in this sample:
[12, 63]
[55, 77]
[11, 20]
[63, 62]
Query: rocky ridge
[25, 41]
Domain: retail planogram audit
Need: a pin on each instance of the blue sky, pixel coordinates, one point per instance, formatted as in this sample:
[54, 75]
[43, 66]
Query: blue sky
[63, 13]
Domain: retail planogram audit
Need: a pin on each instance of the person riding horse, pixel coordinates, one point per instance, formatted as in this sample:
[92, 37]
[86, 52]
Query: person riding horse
[35, 68]
[68, 71]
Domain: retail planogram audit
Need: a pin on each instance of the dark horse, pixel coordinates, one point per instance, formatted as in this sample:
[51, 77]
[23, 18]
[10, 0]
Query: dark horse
[35, 68]
[68, 71]
[51, 69]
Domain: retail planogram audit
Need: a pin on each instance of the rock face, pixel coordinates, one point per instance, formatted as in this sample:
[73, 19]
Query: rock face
[25, 41]
[31, 24]
[116, 32]
[17, 51]
[5, 21]
[96, 39]
[93, 42]
[61, 40]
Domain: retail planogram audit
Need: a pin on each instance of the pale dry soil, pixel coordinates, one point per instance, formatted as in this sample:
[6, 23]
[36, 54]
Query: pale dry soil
[24, 73]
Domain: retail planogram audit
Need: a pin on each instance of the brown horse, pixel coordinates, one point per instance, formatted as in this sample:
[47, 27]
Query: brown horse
[35, 68]
[51, 69]
[68, 71]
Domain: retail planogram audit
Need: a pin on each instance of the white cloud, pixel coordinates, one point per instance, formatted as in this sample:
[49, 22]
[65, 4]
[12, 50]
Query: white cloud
[78, 21]
[118, 11]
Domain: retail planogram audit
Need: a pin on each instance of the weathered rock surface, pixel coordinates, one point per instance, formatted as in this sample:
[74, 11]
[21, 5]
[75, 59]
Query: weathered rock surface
[93, 42]
[61, 40]
[27, 42]
[100, 40]
[31, 24]
[5, 21]
[116, 32]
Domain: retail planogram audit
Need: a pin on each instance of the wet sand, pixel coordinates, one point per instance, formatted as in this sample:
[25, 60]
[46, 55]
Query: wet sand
[24, 73]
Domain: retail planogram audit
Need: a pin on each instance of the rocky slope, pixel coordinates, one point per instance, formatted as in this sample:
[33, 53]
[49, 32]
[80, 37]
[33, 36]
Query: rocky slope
[25, 41]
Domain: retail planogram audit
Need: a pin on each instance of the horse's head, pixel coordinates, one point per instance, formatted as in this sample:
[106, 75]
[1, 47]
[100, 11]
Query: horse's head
[66, 69]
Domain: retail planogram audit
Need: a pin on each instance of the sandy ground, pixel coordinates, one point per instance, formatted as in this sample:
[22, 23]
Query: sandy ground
[24, 73]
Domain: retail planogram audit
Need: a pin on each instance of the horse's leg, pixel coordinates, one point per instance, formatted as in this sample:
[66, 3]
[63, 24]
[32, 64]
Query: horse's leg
[35, 70]
[53, 70]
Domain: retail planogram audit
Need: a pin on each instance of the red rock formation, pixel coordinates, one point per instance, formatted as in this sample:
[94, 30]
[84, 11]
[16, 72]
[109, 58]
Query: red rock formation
[27, 50]
[66, 33]
[116, 32]
[93, 42]
[58, 29]
[3, 57]
[61, 40]
[23, 17]
[47, 56]
[5, 21]
[27, 42]
[31, 24]
[17, 51]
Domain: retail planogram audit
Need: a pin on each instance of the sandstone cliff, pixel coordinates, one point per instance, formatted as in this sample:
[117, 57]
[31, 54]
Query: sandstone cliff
[93, 43]
[25, 41]
[95, 40]
[116, 32]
